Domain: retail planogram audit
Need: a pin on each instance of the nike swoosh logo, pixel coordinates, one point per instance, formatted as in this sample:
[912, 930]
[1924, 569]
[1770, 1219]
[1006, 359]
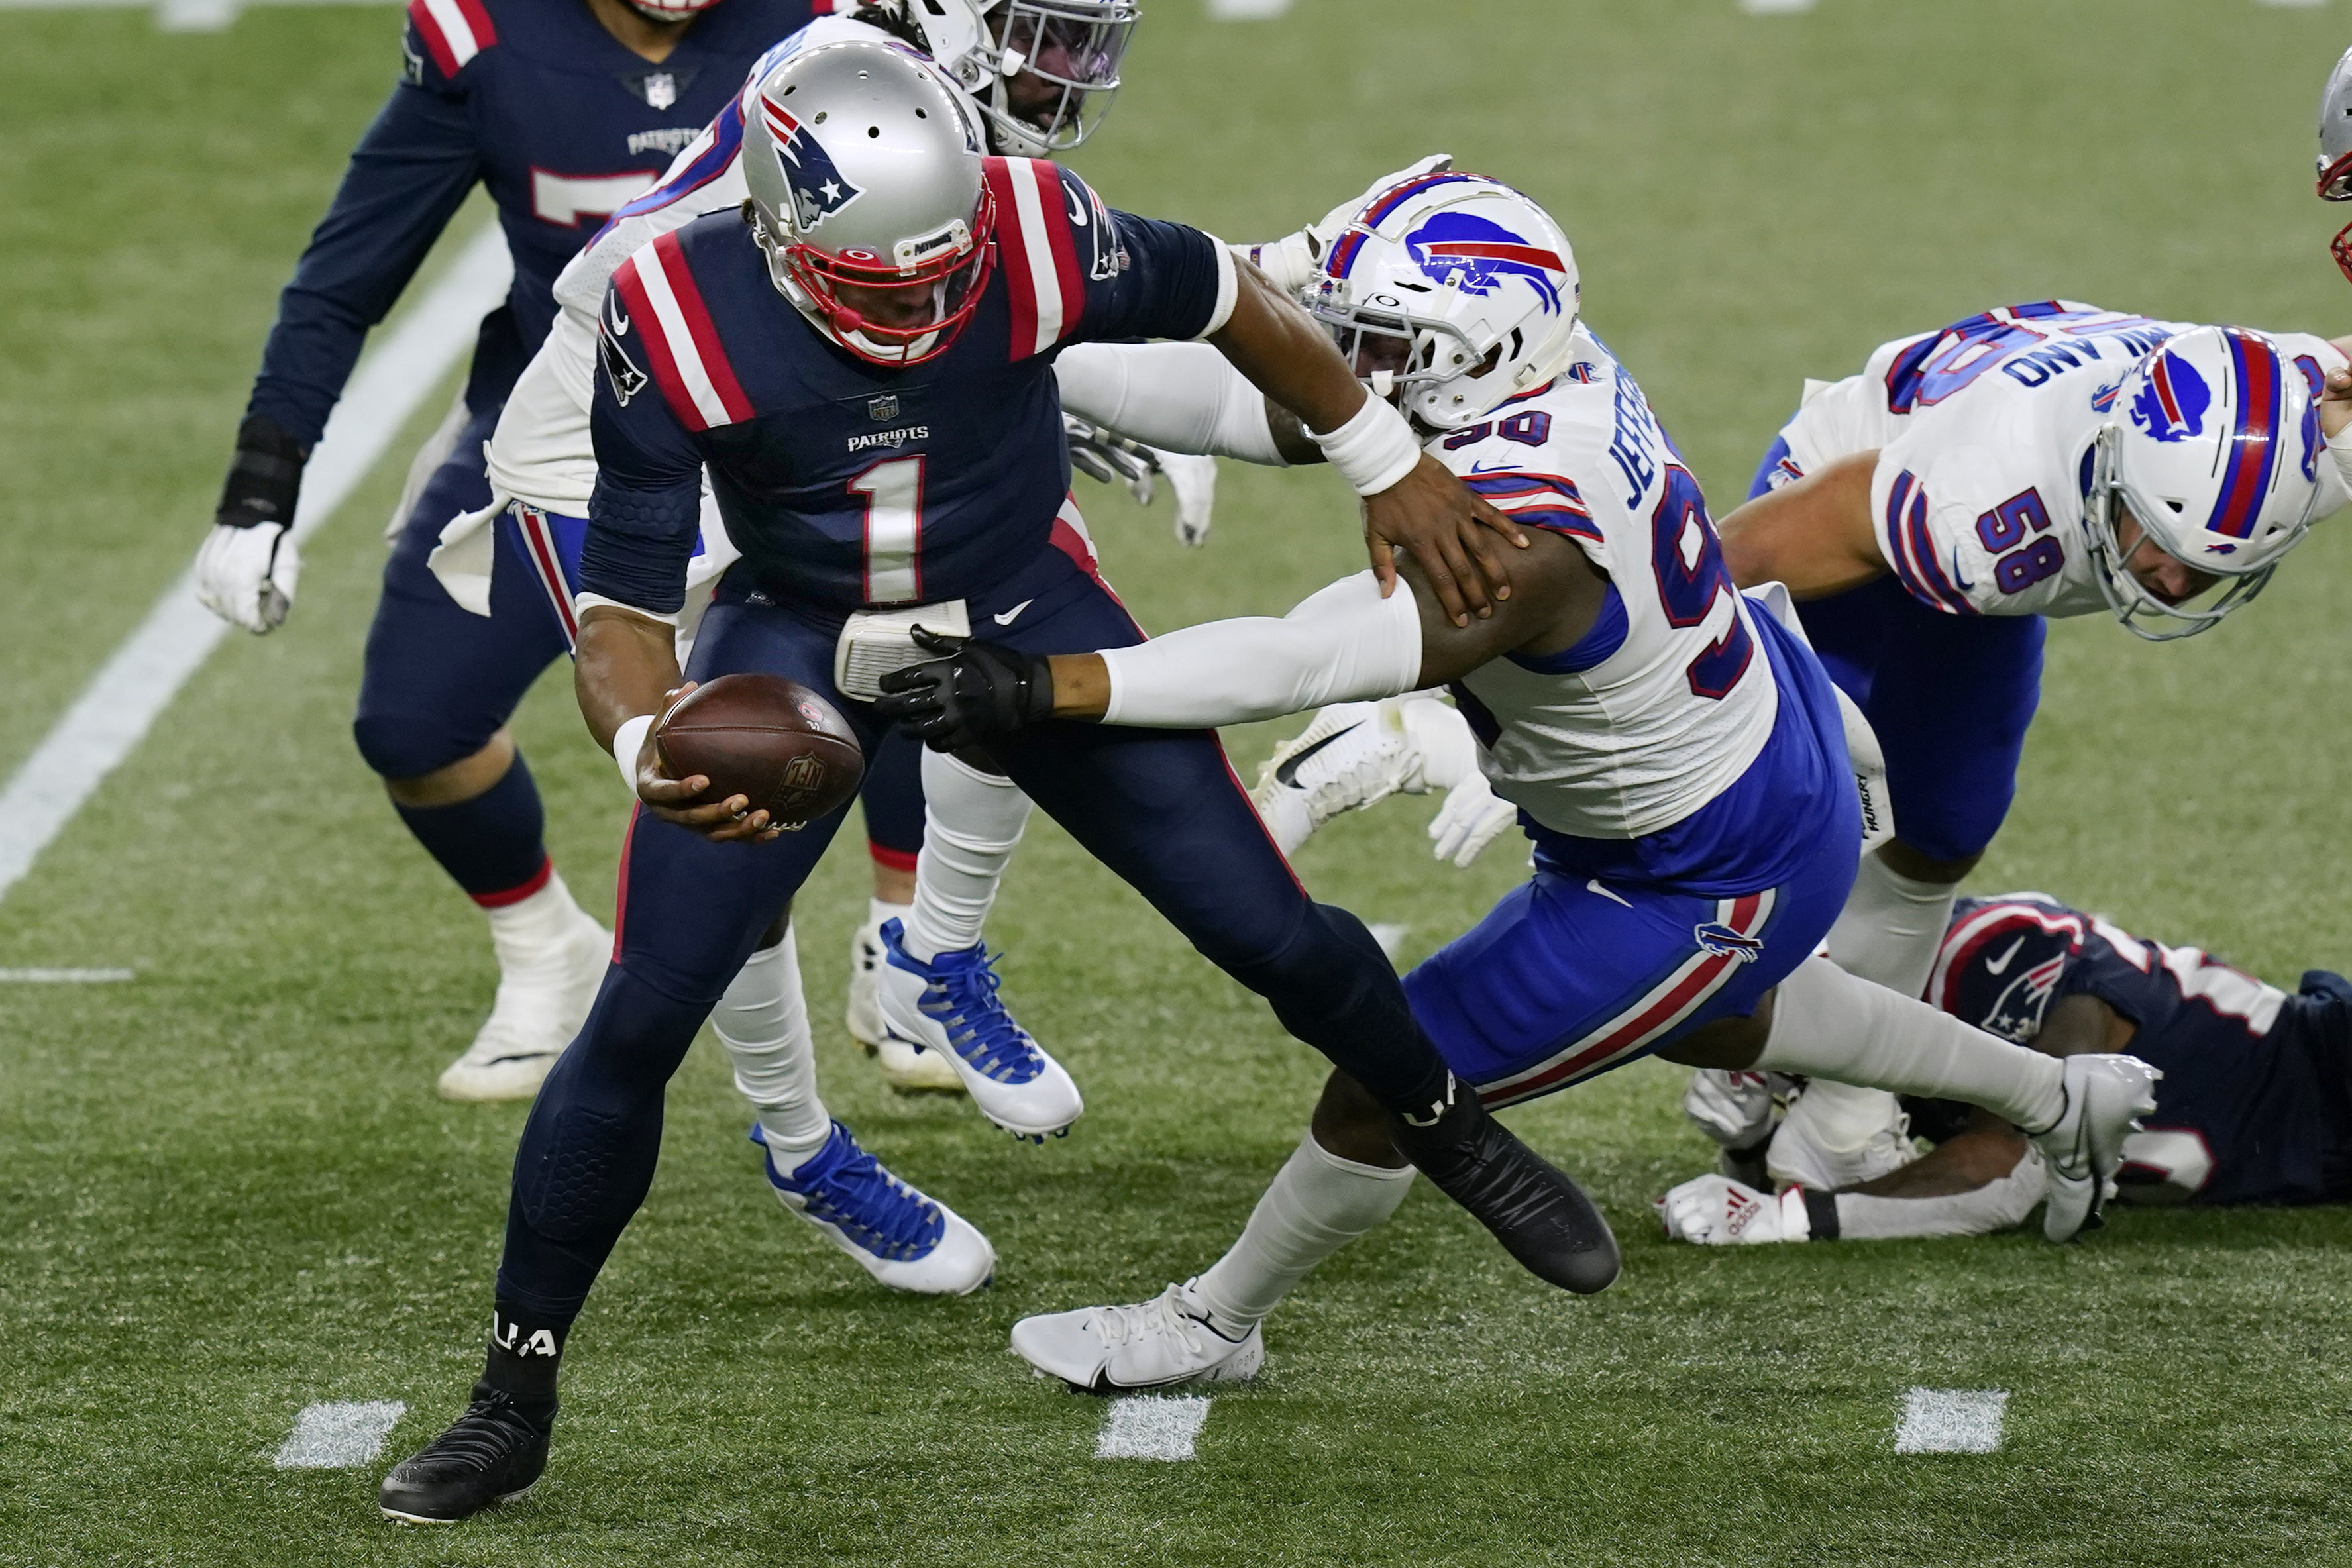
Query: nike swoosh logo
[1497, 468]
[1012, 614]
[1288, 774]
[1995, 966]
[1594, 886]
[1960, 578]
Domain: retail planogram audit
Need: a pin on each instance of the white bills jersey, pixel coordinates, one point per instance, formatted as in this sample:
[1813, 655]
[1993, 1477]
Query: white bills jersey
[1666, 702]
[1984, 432]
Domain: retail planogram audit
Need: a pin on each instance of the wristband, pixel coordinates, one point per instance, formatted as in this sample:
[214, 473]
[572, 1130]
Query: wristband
[1796, 1215]
[1821, 1214]
[2340, 447]
[628, 741]
[1373, 449]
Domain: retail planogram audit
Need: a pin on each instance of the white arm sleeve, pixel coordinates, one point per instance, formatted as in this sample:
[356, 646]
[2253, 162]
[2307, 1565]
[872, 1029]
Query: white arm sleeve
[1343, 644]
[1996, 1206]
[1179, 397]
[541, 452]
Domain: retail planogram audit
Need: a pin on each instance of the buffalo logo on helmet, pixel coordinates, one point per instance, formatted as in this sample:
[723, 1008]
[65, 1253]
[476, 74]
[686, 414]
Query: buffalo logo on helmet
[1473, 254]
[1725, 943]
[818, 189]
[2171, 402]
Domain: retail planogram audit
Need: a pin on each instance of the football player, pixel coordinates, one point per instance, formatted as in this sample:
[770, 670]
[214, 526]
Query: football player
[882, 257]
[1679, 754]
[2032, 461]
[2255, 1105]
[502, 93]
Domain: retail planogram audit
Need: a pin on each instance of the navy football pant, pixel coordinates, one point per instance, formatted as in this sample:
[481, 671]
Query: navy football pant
[1162, 808]
[1950, 698]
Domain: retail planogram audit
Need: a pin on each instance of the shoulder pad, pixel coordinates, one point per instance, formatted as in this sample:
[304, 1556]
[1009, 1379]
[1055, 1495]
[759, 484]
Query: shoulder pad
[444, 37]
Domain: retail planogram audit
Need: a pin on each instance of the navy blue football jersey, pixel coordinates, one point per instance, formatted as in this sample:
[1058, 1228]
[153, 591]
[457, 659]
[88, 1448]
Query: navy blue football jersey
[846, 482]
[2252, 1107]
[562, 126]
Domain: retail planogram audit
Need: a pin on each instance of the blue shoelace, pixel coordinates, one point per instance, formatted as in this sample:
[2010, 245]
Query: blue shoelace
[845, 1186]
[961, 997]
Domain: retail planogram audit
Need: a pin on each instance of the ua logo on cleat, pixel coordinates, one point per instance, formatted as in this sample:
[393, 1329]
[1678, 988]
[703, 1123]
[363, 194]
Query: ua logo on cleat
[1437, 1108]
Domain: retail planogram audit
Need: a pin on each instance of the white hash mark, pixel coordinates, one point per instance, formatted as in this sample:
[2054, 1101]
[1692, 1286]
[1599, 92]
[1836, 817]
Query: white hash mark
[1152, 1427]
[337, 1437]
[64, 977]
[1950, 1421]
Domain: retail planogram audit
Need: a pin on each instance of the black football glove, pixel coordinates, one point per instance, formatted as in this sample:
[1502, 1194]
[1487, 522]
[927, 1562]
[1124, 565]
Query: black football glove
[975, 692]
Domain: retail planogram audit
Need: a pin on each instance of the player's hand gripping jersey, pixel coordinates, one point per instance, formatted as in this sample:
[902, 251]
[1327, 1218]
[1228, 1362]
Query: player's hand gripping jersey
[842, 481]
[1984, 432]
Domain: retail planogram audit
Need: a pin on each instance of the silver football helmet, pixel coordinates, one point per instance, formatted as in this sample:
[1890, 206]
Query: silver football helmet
[864, 168]
[2335, 150]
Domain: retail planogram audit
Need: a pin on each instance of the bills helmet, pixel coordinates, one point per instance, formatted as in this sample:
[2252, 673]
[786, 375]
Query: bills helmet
[2213, 445]
[1044, 72]
[2335, 150]
[864, 168]
[1449, 292]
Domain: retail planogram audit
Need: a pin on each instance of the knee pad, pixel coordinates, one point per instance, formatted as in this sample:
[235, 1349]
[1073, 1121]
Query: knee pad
[577, 1181]
[409, 745]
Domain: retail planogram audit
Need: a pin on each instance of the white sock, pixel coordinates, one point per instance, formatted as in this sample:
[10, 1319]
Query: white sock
[1996, 1206]
[878, 910]
[971, 824]
[1891, 926]
[1317, 1204]
[1829, 1024]
[763, 1020]
[532, 936]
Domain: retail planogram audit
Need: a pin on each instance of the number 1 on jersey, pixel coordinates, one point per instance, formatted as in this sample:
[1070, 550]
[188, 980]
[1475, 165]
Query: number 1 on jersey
[894, 530]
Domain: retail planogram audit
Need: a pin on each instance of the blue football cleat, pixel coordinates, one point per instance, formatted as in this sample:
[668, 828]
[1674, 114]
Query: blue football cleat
[903, 1239]
[951, 1006]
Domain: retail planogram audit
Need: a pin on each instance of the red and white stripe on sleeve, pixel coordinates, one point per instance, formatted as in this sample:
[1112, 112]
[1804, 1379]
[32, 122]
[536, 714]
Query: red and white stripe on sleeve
[664, 305]
[454, 31]
[1039, 251]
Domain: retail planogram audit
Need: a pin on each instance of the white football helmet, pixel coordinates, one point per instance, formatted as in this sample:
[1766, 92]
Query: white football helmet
[1070, 50]
[1450, 292]
[2214, 446]
[2335, 150]
[864, 168]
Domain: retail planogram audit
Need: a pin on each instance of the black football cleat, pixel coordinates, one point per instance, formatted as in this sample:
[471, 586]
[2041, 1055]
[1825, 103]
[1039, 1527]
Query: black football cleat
[490, 1453]
[1540, 1217]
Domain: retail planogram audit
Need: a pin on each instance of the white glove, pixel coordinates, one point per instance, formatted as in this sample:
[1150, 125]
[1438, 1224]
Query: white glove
[246, 576]
[1195, 481]
[2340, 447]
[1473, 817]
[1107, 456]
[1715, 1211]
[1732, 1108]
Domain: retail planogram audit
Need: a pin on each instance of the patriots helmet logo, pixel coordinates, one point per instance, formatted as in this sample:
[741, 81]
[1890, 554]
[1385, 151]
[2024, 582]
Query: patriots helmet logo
[2016, 1013]
[1725, 943]
[818, 189]
[1474, 254]
[2171, 402]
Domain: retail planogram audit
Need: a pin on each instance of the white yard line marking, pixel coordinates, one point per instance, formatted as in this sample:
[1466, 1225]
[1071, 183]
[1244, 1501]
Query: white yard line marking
[1391, 938]
[1775, 7]
[64, 977]
[337, 1437]
[1951, 1421]
[113, 714]
[1246, 10]
[1152, 1427]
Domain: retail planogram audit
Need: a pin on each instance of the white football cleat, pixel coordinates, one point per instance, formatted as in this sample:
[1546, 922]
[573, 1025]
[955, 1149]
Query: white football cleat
[905, 1240]
[1159, 1343]
[950, 1008]
[2106, 1095]
[1836, 1137]
[546, 986]
[908, 1067]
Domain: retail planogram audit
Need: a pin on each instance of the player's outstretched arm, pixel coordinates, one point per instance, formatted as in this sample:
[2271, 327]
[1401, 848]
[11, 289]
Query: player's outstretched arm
[625, 676]
[1410, 501]
[1816, 536]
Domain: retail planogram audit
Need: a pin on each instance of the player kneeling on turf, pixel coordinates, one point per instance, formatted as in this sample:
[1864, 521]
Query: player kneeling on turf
[2256, 1106]
[1681, 754]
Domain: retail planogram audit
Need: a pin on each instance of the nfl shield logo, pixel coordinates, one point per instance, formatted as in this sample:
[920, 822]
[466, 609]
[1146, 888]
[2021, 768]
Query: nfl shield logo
[661, 90]
[880, 408]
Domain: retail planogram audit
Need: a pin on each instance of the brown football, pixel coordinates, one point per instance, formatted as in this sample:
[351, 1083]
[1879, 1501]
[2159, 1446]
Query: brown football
[766, 737]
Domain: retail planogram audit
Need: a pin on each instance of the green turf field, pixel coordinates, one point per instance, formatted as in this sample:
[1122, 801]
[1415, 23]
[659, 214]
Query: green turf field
[228, 1191]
